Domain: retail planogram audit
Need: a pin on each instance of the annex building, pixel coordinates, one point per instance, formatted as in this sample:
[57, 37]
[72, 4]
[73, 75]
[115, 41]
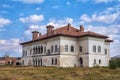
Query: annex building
[66, 47]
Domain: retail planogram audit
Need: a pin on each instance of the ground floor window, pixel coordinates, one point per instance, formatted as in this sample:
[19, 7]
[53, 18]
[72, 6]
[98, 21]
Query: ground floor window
[54, 61]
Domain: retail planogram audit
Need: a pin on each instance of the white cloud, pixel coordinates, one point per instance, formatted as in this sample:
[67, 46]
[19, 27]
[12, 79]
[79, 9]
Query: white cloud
[55, 7]
[38, 9]
[108, 16]
[32, 18]
[3, 12]
[105, 1]
[97, 1]
[4, 22]
[85, 18]
[10, 46]
[30, 1]
[68, 3]
[6, 6]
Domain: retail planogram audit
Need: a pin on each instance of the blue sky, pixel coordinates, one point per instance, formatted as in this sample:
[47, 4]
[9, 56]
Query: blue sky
[18, 18]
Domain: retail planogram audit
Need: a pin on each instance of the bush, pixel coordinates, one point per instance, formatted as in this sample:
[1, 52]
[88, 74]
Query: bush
[115, 63]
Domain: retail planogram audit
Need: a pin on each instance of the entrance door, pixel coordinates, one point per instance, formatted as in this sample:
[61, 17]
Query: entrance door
[81, 62]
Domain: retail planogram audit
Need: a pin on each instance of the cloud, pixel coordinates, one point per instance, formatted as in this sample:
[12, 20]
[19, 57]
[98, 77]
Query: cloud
[38, 9]
[4, 22]
[32, 19]
[11, 47]
[30, 1]
[6, 6]
[97, 1]
[108, 16]
[55, 7]
[3, 12]
[104, 1]
[68, 3]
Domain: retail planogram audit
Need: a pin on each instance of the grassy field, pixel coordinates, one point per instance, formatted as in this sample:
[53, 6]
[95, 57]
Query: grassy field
[52, 73]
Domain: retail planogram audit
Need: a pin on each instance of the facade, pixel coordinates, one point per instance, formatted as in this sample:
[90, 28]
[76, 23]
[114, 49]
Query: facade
[66, 47]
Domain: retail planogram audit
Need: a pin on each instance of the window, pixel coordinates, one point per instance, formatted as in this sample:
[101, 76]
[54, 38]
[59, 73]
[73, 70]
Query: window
[52, 62]
[99, 61]
[36, 50]
[99, 48]
[44, 49]
[72, 48]
[66, 48]
[105, 51]
[30, 51]
[51, 49]
[56, 61]
[41, 49]
[80, 48]
[55, 48]
[94, 48]
[94, 61]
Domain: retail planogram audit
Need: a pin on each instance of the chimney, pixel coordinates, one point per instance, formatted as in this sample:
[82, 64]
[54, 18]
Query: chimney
[81, 28]
[35, 35]
[49, 29]
[69, 27]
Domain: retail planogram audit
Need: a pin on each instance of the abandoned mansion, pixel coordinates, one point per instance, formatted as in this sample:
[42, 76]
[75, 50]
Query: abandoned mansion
[66, 47]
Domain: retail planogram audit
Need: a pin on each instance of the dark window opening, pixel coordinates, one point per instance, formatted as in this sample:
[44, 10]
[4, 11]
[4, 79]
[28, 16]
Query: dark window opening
[72, 48]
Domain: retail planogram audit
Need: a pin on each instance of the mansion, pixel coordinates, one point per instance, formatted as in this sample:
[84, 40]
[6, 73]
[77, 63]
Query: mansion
[66, 47]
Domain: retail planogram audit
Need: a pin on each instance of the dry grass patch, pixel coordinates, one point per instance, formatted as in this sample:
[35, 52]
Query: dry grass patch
[53, 73]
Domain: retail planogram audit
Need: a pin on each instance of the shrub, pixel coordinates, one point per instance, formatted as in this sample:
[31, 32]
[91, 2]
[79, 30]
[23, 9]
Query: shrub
[115, 63]
[112, 64]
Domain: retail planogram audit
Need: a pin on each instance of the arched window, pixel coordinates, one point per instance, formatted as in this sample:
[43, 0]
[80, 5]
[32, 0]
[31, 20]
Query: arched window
[105, 51]
[56, 49]
[38, 49]
[41, 49]
[80, 48]
[72, 48]
[44, 49]
[99, 48]
[51, 49]
[52, 62]
[94, 48]
[55, 61]
[34, 50]
[94, 61]
[99, 61]
[66, 48]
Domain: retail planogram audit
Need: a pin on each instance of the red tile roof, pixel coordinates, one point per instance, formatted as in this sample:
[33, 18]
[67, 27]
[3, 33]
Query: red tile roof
[72, 32]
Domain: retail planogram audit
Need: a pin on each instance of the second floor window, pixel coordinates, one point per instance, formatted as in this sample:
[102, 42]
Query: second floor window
[66, 48]
[94, 48]
[80, 48]
[99, 48]
[105, 51]
[51, 48]
[56, 49]
[44, 49]
[72, 48]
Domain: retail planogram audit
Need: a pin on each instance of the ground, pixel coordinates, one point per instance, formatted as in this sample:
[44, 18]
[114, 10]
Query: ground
[53, 73]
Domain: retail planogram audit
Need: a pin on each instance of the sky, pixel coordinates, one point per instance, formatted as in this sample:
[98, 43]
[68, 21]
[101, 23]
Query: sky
[18, 18]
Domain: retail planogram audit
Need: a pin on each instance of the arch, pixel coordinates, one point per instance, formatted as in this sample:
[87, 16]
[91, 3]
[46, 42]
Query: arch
[81, 61]
[41, 49]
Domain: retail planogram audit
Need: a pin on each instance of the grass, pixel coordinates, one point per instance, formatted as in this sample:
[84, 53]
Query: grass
[53, 73]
